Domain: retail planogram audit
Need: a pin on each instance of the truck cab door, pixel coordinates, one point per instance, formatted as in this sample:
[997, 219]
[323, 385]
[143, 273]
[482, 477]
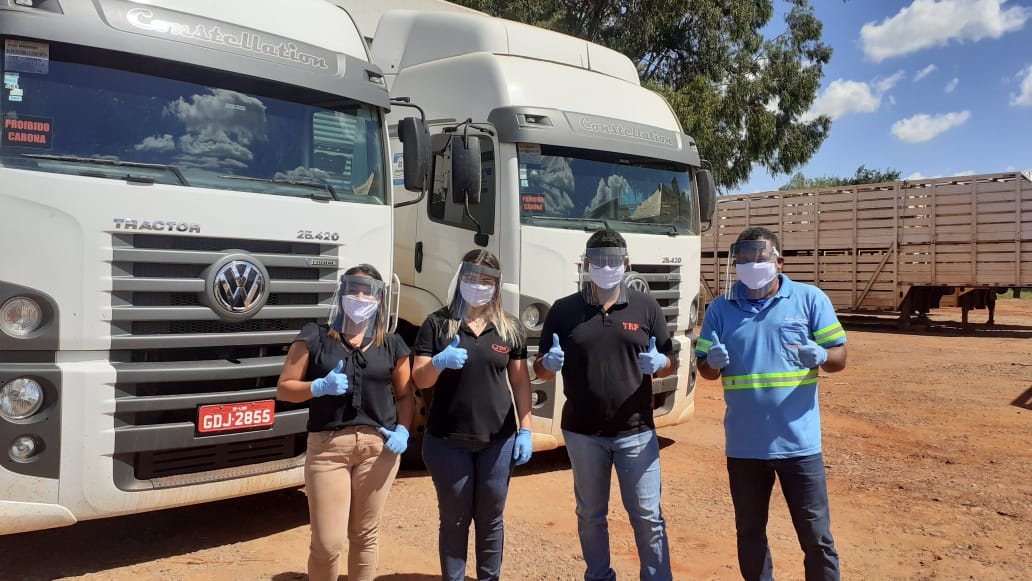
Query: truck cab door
[445, 228]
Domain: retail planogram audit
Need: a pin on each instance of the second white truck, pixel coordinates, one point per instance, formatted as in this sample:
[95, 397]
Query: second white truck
[569, 143]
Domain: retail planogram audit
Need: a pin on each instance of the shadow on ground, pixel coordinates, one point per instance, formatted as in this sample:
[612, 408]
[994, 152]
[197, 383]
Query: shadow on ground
[99, 545]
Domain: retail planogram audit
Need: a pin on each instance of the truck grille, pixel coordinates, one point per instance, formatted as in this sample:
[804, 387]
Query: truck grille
[172, 353]
[664, 282]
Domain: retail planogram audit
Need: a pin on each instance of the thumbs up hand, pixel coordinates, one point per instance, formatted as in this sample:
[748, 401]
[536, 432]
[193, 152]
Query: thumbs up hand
[453, 356]
[335, 382]
[652, 360]
[717, 357]
[811, 354]
[553, 360]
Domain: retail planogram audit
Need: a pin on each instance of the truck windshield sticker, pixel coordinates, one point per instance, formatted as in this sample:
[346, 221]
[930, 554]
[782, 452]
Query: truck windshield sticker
[529, 152]
[533, 202]
[27, 57]
[10, 80]
[25, 131]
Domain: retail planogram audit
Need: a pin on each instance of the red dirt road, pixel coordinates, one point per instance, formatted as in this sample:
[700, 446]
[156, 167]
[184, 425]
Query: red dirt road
[927, 436]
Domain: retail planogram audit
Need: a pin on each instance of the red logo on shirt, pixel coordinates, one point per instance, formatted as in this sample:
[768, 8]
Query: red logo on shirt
[500, 348]
[630, 326]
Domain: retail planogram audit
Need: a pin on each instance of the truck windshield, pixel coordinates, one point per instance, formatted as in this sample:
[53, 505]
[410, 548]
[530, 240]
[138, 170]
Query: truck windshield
[563, 187]
[80, 119]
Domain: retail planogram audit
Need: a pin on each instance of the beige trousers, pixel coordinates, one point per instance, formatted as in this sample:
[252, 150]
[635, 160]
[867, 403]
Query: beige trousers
[348, 474]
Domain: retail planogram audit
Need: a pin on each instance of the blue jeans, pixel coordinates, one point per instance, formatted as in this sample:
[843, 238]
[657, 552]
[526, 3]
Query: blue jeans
[636, 458]
[472, 482]
[806, 493]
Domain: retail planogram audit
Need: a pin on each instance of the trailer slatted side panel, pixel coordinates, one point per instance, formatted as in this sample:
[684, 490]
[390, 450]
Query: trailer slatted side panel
[866, 246]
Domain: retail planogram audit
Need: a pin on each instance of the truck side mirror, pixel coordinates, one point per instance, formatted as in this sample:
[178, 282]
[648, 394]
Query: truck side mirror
[465, 169]
[707, 194]
[415, 140]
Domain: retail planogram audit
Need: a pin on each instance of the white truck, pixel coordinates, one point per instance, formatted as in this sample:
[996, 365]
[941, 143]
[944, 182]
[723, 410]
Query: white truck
[569, 143]
[181, 184]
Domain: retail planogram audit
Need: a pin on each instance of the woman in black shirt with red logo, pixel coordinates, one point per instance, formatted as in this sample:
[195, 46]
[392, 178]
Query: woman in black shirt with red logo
[355, 376]
[465, 352]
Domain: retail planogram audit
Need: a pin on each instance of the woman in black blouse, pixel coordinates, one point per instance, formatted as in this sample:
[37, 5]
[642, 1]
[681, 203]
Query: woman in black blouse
[466, 352]
[357, 424]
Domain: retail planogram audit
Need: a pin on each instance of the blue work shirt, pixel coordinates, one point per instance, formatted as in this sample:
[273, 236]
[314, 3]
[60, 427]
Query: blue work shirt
[772, 410]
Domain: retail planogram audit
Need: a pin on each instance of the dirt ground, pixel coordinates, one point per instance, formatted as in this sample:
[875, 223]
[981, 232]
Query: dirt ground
[927, 437]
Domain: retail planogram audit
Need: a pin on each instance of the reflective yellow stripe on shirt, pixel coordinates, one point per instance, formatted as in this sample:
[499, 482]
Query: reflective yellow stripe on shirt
[829, 333]
[767, 380]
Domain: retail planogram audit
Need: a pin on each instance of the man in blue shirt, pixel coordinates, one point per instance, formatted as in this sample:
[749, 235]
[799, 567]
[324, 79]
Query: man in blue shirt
[766, 337]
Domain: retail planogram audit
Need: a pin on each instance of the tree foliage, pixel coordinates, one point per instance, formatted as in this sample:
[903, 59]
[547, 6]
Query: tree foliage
[862, 176]
[740, 93]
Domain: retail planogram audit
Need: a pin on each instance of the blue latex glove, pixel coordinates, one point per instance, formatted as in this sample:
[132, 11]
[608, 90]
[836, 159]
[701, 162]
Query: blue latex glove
[652, 360]
[811, 354]
[553, 360]
[717, 358]
[524, 447]
[453, 356]
[397, 441]
[335, 382]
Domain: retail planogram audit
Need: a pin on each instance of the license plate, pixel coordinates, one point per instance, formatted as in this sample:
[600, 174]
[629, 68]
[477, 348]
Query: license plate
[235, 416]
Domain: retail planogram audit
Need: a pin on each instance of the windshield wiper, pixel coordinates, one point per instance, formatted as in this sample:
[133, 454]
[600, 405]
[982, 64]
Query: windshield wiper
[591, 221]
[300, 183]
[116, 163]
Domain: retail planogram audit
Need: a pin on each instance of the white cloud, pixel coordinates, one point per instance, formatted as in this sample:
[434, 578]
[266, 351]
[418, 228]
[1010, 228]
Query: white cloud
[931, 23]
[951, 85]
[843, 97]
[924, 127]
[914, 176]
[966, 172]
[889, 82]
[924, 72]
[1024, 99]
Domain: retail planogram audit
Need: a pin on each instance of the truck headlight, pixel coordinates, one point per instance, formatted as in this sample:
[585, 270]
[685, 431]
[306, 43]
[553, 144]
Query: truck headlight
[531, 316]
[20, 398]
[20, 316]
[24, 448]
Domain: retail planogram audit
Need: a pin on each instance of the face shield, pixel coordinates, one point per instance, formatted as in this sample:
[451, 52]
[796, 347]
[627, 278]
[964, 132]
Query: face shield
[356, 308]
[475, 288]
[755, 266]
[605, 275]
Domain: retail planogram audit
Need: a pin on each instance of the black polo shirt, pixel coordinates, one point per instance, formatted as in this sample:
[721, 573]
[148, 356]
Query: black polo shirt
[472, 404]
[370, 398]
[606, 393]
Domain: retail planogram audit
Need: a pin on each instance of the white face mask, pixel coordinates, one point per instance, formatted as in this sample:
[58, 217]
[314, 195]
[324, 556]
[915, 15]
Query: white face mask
[606, 277]
[360, 310]
[756, 275]
[477, 295]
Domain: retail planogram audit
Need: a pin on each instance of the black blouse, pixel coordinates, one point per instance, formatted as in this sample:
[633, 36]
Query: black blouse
[473, 403]
[369, 400]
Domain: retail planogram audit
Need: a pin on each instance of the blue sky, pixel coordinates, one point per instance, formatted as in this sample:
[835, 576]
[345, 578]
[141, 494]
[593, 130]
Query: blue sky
[927, 87]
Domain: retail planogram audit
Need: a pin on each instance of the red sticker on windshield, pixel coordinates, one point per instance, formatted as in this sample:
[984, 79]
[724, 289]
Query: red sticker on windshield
[25, 131]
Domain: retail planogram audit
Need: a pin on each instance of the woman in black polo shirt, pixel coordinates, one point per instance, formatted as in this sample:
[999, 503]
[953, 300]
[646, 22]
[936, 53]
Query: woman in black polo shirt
[465, 352]
[356, 422]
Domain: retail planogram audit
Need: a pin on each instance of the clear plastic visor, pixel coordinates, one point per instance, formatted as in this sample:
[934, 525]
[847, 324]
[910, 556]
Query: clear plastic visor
[608, 257]
[357, 304]
[476, 286]
[745, 251]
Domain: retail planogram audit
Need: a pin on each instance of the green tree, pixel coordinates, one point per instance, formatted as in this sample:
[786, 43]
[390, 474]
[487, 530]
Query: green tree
[862, 176]
[742, 95]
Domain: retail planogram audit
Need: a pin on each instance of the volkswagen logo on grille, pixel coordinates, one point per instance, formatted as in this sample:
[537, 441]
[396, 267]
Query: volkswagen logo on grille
[637, 282]
[236, 287]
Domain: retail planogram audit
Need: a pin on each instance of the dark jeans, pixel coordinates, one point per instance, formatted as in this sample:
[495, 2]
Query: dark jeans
[472, 482]
[806, 493]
